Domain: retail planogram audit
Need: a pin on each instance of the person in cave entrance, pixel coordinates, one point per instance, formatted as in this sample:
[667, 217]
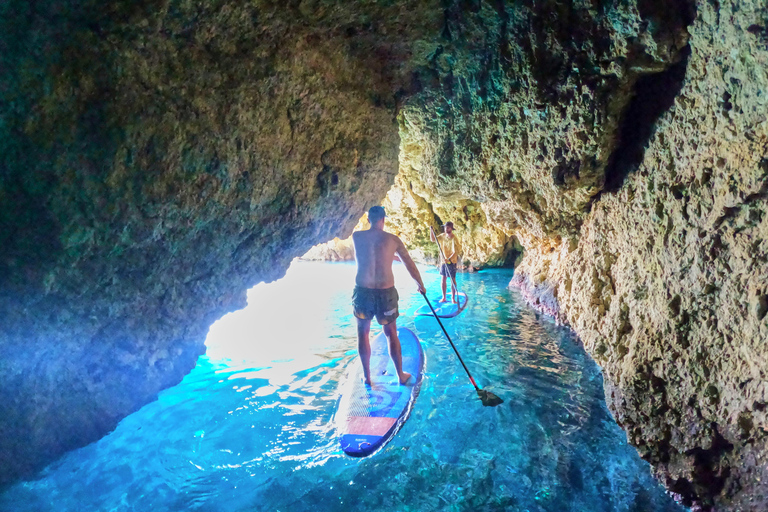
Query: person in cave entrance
[375, 293]
[449, 258]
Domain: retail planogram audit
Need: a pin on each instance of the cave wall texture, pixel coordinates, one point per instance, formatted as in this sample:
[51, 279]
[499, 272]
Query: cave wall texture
[667, 280]
[632, 166]
[160, 157]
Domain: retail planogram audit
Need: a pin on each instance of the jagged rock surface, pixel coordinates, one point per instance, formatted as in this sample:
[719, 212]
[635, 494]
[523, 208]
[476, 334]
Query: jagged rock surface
[413, 209]
[636, 182]
[158, 159]
[525, 105]
[666, 281]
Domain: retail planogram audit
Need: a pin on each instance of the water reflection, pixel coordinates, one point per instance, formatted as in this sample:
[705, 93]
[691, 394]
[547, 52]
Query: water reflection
[252, 427]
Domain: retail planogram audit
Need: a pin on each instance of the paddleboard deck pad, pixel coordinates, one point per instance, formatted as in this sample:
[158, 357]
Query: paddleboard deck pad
[369, 416]
[444, 309]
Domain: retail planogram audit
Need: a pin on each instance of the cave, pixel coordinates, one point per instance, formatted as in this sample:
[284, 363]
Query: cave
[159, 159]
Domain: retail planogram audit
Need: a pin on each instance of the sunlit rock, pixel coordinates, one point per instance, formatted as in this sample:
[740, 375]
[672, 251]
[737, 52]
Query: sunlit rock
[413, 209]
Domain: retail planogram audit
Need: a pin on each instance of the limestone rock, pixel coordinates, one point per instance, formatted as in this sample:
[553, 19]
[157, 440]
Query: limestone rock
[410, 215]
[666, 283]
[632, 166]
[158, 159]
[524, 108]
[335, 250]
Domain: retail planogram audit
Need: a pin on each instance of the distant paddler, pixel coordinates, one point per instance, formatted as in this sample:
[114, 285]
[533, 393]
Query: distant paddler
[375, 293]
[449, 258]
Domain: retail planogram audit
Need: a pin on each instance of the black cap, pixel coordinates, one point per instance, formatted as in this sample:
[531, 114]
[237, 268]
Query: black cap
[376, 213]
[449, 223]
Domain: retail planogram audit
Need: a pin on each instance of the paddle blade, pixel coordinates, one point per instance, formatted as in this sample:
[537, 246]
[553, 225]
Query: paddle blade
[488, 398]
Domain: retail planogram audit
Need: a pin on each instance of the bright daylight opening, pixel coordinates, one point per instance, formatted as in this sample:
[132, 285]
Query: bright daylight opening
[293, 323]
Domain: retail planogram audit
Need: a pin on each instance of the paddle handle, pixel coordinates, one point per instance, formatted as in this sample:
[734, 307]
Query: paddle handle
[450, 341]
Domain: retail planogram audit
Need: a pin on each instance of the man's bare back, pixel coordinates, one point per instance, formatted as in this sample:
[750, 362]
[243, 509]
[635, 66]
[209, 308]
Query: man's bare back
[375, 251]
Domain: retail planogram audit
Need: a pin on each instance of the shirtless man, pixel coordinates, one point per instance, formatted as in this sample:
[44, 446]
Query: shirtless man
[375, 293]
[451, 248]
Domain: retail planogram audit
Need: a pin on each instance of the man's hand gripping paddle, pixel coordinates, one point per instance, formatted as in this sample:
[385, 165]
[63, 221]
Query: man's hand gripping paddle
[488, 398]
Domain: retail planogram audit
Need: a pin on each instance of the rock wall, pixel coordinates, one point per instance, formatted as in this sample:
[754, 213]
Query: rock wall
[157, 159]
[525, 109]
[337, 249]
[666, 280]
[413, 208]
[626, 149]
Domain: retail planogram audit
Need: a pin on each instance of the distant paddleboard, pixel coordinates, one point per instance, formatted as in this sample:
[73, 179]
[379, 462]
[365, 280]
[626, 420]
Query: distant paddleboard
[444, 309]
[369, 416]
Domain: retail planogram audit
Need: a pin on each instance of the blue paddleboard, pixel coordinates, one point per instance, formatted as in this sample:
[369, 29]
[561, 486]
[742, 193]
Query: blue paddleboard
[444, 309]
[369, 416]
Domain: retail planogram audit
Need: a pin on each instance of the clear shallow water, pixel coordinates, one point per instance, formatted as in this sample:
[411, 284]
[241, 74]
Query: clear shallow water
[251, 427]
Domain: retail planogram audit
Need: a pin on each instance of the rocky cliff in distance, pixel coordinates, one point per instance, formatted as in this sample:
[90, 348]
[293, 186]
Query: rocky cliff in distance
[412, 210]
[337, 249]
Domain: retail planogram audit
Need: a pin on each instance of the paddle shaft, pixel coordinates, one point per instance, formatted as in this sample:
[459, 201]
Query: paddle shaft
[445, 262]
[450, 341]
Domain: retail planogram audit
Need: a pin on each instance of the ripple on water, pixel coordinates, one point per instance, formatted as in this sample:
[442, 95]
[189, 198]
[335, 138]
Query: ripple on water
[252, 426]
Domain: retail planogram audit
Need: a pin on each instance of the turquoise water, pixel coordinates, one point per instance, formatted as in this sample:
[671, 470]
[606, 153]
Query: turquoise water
[252, 428]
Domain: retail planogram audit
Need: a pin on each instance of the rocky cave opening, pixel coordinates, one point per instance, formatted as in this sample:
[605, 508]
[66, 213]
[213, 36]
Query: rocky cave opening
[159, 159]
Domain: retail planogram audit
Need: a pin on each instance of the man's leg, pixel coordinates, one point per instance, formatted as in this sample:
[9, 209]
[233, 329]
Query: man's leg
[442, 285]
[395, 351]
[454, 289]
[364, 346]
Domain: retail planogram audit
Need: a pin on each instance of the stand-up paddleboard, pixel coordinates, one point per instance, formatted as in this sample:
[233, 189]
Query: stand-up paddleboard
[369, 416]
[444, 309]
